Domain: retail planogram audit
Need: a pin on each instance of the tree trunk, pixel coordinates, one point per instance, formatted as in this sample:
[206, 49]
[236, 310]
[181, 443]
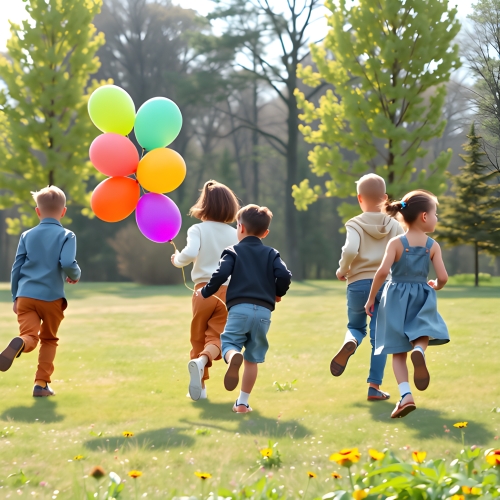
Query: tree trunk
[255, 135]
[291, 179]
[476, 264]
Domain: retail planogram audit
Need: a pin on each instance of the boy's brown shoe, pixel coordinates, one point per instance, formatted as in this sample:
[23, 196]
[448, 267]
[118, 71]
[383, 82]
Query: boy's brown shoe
[339, 362]
[41, 392]
[232, 376]
[11, 352]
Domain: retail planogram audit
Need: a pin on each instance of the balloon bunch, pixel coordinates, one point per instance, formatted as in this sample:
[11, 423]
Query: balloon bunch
[156, 124]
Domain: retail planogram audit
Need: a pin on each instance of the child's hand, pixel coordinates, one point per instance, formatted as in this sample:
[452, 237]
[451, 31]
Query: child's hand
[14, 306]
[70, 281]
[278, 299]
[172, 258]
[340, 276]
[369, 306]
[434, 284]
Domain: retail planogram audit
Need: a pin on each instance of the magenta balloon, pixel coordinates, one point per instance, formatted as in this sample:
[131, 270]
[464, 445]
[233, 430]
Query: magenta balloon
[158, 217]
[114, 155]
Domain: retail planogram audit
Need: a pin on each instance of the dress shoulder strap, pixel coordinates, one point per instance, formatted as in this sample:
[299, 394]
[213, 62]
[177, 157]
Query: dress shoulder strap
[404, 241]
[429, 243]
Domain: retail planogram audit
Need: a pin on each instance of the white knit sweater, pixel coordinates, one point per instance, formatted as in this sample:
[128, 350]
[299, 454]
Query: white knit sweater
[205, 243]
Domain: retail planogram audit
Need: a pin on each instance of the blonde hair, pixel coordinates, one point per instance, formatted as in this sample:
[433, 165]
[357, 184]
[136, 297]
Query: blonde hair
[372, 186]
[50, 199]
[216, 203]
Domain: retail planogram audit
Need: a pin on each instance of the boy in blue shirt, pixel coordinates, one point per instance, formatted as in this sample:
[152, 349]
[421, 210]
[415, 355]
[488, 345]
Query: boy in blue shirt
[45, 257]
[259, 278]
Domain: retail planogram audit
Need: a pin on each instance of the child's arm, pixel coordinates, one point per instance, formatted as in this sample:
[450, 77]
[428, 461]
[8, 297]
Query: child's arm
[16, 268]
[220, 276]
[349, 252]
[437, 262]
[190, 251]
[283, 277]
[382, 273]
[67, 259]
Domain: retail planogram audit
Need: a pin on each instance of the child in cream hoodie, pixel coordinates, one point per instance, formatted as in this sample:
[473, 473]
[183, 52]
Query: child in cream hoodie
[216, 207]
[366, 241]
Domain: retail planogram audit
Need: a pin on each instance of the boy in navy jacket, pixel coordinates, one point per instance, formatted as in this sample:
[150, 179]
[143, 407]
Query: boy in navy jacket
[259, 278]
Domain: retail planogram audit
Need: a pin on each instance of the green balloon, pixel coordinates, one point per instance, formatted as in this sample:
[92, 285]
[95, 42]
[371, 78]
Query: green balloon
[111, 109]
[158, 123]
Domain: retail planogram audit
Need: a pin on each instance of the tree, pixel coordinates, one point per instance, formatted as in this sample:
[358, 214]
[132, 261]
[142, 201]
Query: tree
[472, 217]
[381, 57]
[482, 52]
[44, 104]
[286, 27]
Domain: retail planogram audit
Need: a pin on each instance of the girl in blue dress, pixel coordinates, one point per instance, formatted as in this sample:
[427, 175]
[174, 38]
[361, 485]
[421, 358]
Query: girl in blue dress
[407, 317]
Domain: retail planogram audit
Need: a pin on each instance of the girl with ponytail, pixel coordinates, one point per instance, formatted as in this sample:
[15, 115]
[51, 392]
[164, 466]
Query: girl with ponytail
[408, 320]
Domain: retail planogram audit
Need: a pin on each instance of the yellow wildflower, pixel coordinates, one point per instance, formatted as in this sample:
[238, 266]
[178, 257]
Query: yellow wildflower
[493, 458]
[203, 475]
[376, 455]
[78, 457]
[266, 452]
[419, 456]
[311, 475]
[127, 434]
[135, 474]
[474, 490]
[461, 425]
[346, 457]
[336, 475]
[359, 494]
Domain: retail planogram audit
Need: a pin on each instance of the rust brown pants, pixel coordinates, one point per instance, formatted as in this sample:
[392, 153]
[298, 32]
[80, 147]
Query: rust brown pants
[209, 320]
[30, 314]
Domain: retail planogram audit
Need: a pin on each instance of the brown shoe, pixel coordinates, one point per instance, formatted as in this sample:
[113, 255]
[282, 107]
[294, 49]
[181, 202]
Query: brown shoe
[42, 392]
[232, 376]
[339, 362]
[402, 410]
[11, 352]
[421, 375]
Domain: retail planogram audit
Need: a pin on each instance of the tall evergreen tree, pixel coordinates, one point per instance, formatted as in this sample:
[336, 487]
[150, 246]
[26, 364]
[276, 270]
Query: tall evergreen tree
[47, 131]
[387, 61]
[472, 217]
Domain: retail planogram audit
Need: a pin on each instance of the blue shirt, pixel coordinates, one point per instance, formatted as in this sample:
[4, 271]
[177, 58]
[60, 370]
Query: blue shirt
[45, 256]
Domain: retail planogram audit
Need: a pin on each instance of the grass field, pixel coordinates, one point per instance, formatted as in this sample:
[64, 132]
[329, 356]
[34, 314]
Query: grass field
[121, 366]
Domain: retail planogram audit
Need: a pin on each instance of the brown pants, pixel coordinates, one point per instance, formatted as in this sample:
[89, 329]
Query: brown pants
[209, 320]
[32, 312]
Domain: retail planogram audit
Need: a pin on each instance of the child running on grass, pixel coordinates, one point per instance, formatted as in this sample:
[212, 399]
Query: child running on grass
[45, 257]
[367, 237]
[408, 319]
[216, 208]
[259, 278]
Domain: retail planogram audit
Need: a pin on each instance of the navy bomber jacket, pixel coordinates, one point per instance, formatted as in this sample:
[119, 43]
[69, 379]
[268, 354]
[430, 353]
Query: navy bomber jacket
[258, 275]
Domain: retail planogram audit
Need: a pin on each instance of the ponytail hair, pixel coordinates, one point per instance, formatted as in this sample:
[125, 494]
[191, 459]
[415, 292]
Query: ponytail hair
[411, 206]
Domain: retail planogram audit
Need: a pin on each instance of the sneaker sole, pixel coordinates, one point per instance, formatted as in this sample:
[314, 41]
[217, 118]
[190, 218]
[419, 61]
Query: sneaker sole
[339, 362]
[404, 411]
[232, 376]
[10, 353]
[421, 375]
[378, 398]
[195, 381]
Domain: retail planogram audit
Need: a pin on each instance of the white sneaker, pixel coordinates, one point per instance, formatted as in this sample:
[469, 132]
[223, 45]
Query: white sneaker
[203, 394]
[196, 370]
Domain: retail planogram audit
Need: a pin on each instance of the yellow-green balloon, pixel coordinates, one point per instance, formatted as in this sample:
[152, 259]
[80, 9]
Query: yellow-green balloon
[111, 109]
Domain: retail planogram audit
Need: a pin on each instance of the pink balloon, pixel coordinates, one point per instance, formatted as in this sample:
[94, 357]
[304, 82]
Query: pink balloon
[114, 155]
[158, 217]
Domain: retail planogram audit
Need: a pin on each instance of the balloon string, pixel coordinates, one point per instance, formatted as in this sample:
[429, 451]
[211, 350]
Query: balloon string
[191, 289]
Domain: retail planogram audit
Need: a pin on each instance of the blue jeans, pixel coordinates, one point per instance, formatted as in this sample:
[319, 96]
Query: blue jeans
[357, 295]
[247, 326]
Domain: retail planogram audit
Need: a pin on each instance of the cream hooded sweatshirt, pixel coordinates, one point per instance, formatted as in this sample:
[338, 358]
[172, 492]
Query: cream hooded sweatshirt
[367, 238]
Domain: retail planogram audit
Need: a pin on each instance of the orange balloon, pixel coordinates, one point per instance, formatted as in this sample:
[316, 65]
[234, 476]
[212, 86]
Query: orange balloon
[162, 170]
[114, 199]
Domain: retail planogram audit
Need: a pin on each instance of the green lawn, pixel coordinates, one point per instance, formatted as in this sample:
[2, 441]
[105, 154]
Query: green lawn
[121, 366]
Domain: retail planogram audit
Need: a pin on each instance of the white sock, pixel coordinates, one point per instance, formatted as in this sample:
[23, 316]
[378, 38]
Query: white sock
[243, 398]
[202, 361]
[203, 393]
[404, 388]
[418, 348]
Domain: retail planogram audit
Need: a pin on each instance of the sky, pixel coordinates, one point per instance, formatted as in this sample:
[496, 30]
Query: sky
[14, 10]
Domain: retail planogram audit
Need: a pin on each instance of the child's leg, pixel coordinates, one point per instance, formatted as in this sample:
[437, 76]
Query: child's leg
[247, 383]
[52, 314]
[421, 375]
[406, 404]
[377, 362]
[29, 326]
[357, 294]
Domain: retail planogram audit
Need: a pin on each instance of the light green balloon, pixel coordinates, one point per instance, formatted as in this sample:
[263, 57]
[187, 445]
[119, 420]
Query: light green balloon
[111, 109]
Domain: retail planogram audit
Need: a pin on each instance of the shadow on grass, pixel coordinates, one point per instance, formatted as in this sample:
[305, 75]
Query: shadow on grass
[430, 424]
[168, 437]
[42, 410]
[218, 415]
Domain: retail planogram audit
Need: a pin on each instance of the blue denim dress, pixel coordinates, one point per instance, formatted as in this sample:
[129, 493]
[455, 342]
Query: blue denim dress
[408, 307]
